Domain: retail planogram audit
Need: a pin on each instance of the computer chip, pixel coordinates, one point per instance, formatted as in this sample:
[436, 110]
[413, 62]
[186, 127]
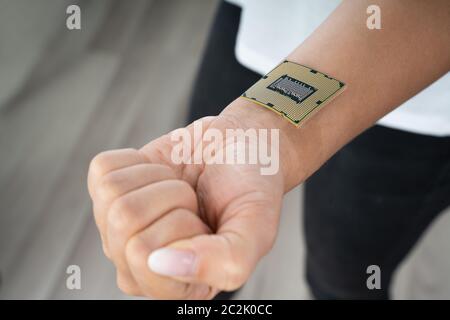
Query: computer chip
[295, 91]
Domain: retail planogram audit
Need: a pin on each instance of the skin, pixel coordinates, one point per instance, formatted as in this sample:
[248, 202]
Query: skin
[224, 218]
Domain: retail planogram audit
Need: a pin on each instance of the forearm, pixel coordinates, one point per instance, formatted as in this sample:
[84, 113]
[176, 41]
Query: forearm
[382, 69]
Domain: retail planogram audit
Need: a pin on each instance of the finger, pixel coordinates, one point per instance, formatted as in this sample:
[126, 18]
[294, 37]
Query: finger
[100, 166]
[97, 213]
[118, 185]
[104, 163]
[175, 225]
[127, 284]
[223, 260]
[119, 182]
[124, 180]
[111, 160]
[138, 209]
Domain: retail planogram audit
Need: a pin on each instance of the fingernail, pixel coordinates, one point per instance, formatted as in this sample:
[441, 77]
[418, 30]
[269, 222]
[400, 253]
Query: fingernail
[172, 262]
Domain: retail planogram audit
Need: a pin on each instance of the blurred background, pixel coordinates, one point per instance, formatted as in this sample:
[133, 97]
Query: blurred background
[66, 95]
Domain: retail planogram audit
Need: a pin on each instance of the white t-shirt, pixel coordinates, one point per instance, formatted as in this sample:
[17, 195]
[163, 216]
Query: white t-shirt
[261, 46]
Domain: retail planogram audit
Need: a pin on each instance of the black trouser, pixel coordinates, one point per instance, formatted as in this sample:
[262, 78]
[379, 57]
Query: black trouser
[367, 205]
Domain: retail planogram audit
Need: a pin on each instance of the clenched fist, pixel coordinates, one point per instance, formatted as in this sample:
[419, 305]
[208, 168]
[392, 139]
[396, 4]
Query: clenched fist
[187, 231]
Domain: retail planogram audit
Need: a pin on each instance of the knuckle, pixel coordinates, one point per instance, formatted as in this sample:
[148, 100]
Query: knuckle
[106, 251]
[237, 269]
[126, 286]
[170, 290]
[167, 171]
[136, 252]
[103, 161]
[121, 213]
[268, 242]
[184, 219]
[185, 291]
[99, 163]
[235, 276]
[183, 189]
[109, 186]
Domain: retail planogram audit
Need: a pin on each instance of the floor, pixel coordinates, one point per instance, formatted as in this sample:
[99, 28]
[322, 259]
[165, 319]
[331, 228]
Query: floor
[111, 95]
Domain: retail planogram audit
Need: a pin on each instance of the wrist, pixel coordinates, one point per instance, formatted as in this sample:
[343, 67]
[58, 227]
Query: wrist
[252, 115]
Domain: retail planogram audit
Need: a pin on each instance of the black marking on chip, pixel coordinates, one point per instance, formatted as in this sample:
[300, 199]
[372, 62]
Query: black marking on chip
[318, 102]
[292, 88]
[270, 104]
[313, 71]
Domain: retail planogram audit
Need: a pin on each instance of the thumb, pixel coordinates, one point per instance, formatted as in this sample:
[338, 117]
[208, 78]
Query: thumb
[223, 260]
